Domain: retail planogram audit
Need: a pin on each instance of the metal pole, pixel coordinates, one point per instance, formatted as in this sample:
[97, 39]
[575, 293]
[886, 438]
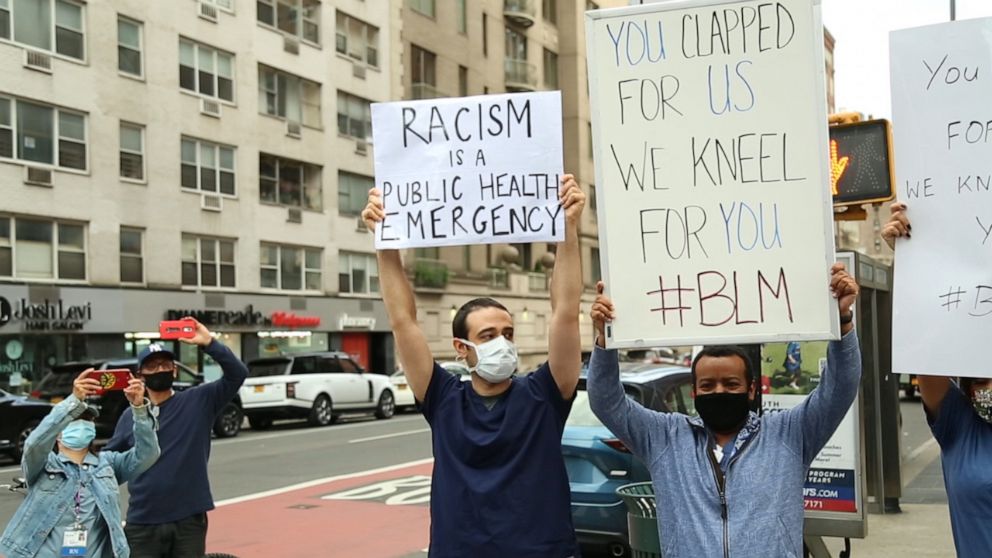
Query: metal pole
[953, 10]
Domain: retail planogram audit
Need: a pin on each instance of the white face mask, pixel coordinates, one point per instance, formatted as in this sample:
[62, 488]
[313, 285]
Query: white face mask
[497, 359]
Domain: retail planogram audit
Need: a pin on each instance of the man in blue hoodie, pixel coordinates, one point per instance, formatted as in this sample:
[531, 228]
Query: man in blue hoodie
[167, 511]
[730, 482]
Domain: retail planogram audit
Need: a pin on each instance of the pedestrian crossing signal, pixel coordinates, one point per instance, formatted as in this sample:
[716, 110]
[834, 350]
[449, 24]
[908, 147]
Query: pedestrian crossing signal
[861, 163]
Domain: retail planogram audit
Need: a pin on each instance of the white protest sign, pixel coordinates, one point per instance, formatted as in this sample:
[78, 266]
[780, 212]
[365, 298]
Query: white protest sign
[710, 136]
[470, 170]
[942, 129]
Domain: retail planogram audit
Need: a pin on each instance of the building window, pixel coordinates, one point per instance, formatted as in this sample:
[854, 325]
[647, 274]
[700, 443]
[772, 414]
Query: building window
[36, 23]
[206, 70]
[550, 69]
[462, 81]
[128, 46]
[41, 249]
[549, 9]
[592, 148]
[357, 39]
[485, 34]
[516, 45]
[300, 18]
[40, 130]
[353, 192]
[461, 17]
[358, 273]
[354, 116]
[592, 199]
[289, 183]
[132, 262]
[207, 262]
[227, 5]
[594, 265]
[207, 167]
[290, 268]
[287, 96]
[425, 7]
[423, 73]
[132, 146]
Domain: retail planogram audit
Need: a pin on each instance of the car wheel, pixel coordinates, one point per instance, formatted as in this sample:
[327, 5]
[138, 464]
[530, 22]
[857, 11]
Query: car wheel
[387, 405]
[22, 437]
[321, 413]
[228, 424]
[260, 423]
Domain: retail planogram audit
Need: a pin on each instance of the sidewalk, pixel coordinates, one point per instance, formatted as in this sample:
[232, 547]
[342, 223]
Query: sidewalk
[922, 530]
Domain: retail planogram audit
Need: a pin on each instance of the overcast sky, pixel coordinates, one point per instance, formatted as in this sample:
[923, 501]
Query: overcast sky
[861, 55]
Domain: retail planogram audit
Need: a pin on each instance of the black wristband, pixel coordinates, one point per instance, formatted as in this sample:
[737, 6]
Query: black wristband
[846, 318]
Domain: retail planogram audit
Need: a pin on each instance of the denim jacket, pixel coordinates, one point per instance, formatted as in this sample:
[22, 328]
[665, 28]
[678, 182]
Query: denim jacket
[52, 484]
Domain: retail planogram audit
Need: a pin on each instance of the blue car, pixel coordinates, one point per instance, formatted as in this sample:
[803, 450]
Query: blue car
[598, 463]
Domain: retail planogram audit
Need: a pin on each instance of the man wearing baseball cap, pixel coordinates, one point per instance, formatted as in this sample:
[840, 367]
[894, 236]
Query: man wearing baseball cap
[167, 511]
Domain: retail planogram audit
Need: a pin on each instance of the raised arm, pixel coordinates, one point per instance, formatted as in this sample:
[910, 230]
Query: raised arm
[418, 362]
[131, 463]
[642, 430]
[221, 392]
[933, 389]
[39, 444]
[565, 343]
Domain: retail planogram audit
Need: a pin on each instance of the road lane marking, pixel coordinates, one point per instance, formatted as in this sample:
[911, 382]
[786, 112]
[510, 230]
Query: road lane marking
[919, 459]
[10, 470]
[308, 484]
[384, 436]
[305, 431]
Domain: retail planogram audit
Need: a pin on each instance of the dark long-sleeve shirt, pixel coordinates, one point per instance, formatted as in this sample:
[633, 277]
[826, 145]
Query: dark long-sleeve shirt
[177, 486]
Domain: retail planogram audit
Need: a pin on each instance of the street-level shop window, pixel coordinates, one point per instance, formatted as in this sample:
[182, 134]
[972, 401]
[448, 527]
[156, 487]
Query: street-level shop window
[290, 268]
[49, 25]
[38, 133]
[132, 146]
[356, 39]
[129, 46]
[289, 183]
[358, 273]
[354, 116]
[42, 249]
[353, 192]
[206, 70]
[132, 261]
[288, 96]
[208, 262]
[299, 18]
[207, 167]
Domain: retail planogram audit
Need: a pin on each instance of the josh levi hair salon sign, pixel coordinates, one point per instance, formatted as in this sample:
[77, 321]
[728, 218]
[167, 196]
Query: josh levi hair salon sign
[469, 170]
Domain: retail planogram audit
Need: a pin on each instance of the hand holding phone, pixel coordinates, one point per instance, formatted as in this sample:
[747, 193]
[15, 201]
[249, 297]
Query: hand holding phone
[111, 380]
[177, 329]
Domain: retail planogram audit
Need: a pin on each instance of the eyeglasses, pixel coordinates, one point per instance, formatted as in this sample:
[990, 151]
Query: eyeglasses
[161, 367]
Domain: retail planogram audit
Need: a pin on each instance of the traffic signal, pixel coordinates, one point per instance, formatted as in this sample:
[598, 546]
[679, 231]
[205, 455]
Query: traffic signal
[861, 163]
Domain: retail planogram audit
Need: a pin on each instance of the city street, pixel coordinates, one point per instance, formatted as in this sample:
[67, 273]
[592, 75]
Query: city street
[361, 487]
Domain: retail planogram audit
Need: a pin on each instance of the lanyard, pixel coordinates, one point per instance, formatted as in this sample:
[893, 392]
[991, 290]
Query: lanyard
[78, 510]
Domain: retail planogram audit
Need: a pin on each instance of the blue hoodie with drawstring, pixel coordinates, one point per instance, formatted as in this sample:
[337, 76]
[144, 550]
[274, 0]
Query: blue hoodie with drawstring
[755, 507]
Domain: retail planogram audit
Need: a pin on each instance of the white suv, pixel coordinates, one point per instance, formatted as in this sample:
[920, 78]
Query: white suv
[315, 386]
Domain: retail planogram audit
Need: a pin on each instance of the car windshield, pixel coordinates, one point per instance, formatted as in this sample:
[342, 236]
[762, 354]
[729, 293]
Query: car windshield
[268, 367]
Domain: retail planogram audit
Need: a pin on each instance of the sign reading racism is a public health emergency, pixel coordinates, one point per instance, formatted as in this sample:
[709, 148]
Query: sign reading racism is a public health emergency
[710, 135]
[942, 125]
[469, 170]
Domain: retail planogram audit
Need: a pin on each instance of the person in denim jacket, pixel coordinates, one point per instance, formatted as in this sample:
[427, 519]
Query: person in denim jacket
[75, 489]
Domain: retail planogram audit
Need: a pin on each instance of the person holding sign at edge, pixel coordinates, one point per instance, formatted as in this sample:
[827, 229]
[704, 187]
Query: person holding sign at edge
[960, 417]
[731, 482]
[499, 486]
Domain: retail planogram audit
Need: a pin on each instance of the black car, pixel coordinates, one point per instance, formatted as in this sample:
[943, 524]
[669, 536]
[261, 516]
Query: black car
[57, 385]
[19, 415]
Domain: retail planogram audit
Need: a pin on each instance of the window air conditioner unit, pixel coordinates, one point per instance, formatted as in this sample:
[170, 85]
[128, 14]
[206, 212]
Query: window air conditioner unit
[38, 61]
[358, 71]
[210, 108]
[293, 129]
[290, 44]
[208, 12]
[38, 176]
[295, 216]
[361, 147]
[209, 202]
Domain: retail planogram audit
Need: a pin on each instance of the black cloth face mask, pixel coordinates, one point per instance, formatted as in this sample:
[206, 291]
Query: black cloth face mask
[723, 412]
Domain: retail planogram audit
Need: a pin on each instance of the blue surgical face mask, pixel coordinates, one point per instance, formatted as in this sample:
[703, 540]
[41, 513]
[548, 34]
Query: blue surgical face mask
[78, 434]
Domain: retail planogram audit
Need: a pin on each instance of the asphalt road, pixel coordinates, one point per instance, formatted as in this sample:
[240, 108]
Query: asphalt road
[357, 488]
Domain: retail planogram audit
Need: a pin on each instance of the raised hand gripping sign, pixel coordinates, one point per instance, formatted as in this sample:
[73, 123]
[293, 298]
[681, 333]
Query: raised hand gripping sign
[471, 170]
[942, 129]
[712, 167]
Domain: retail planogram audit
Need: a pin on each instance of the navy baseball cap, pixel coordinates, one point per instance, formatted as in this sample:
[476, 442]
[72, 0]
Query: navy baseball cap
[153, 350]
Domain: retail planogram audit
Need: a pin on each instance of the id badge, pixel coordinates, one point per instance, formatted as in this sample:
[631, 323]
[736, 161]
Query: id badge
[74, 543]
